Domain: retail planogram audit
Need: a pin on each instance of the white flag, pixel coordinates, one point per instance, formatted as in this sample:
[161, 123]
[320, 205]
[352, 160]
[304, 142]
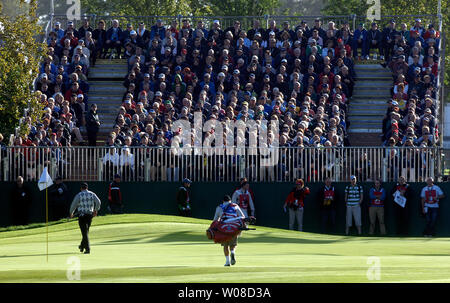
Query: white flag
[45, 180]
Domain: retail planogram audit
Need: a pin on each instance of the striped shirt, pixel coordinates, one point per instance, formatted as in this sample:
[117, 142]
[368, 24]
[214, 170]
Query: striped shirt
[86, 202]
[354, 194]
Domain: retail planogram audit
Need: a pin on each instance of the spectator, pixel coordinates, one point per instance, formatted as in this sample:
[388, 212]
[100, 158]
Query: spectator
[328, 200]
[244, 199]
[99, 36]
[402, 206]
[295, 203]
[110, 160]
[113, 36]
[83, 29]
[157, 30]
[115, 196]
[353, 199]
[388, 40]
[21, 200]
[59, 200]
[377, 196]
[92, 125]
[431, 195]
[374, 40]
[183, 198]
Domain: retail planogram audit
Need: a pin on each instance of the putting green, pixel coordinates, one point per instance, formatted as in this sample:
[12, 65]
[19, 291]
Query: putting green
[155, 248]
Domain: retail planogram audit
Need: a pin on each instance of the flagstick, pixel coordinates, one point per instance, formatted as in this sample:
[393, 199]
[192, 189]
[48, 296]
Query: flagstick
[46, 215]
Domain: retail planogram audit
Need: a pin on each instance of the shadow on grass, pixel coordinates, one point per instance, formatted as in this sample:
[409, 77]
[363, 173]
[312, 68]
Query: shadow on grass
[187, 238]
[40, 255]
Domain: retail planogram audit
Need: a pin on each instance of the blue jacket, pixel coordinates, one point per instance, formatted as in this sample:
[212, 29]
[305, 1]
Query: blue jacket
[358, 33]
[154, 30]
[109, 33]
[413, 40]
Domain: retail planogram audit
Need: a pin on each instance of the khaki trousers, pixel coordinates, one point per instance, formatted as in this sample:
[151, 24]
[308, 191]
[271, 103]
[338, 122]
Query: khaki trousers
[374, 213]
[293, 215]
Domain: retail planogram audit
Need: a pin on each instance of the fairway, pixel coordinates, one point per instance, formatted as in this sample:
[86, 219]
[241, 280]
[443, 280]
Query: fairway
[163, 249]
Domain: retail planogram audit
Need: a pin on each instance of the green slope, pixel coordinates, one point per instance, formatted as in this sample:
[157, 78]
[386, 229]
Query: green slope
[154, 248]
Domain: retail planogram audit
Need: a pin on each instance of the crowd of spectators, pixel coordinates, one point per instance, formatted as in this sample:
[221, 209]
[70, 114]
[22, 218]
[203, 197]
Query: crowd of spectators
[300, 75]
[413, 57]
[63, 88]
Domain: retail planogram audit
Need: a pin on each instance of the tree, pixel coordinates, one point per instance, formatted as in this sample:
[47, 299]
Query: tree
[145, 7]
[345, 7]
[244, 7]
[20, 55]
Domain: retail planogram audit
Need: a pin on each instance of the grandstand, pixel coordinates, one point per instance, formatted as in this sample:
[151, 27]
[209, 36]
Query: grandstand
[340, 98]
[226, 102]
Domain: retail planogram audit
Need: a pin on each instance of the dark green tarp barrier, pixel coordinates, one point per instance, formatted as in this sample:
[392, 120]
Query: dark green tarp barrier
[159, 198]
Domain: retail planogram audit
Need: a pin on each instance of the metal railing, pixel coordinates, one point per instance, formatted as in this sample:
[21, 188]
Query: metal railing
[283, 164]
[225, 21]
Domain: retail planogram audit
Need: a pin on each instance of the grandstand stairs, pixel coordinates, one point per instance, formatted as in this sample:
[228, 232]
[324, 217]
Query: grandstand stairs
[106, 90]
[368, 104]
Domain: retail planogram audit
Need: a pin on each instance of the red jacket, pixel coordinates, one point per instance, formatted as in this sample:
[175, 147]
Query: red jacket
[297, 195]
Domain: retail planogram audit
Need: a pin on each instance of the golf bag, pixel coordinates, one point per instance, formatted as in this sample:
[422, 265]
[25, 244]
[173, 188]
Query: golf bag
[221, 232]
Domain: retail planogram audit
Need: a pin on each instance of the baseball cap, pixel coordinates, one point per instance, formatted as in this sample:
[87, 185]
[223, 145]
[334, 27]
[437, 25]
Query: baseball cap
[352, 177]
[158, 94]
[116, 176]
[133, 32]
[80, 96]
[186, 180]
